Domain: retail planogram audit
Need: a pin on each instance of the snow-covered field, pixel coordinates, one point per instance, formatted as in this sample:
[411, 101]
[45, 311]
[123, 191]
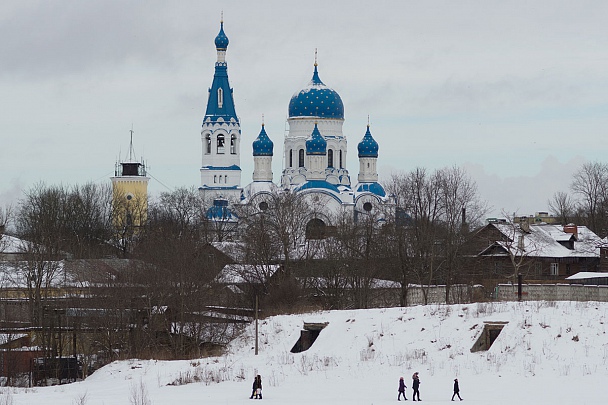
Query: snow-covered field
[548, 353]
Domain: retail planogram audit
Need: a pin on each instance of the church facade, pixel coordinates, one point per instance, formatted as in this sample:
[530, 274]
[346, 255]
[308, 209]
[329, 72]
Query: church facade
[314, 152]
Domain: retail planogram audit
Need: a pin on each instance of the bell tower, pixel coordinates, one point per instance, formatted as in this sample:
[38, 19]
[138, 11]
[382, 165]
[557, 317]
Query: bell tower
[221, 134]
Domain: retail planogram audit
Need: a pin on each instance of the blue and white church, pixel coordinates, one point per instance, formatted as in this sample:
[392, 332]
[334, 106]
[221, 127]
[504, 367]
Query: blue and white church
[314, 151]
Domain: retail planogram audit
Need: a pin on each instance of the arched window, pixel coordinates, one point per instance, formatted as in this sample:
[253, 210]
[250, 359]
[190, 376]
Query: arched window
[315, 229]
[290, 157]
[226, 179]
[207, 144]
[215, 179]
[233, 144]
[220, 97]
[341, 159]
[220, 144]
[330, 158]
[301, 158]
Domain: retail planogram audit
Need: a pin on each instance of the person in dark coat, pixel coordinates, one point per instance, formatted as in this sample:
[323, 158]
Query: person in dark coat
[416, 386]
[254, 388]
[402, 388]
[258, 391]
[456, 389]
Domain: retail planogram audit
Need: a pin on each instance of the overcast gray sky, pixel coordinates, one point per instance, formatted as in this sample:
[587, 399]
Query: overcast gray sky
[515, 92]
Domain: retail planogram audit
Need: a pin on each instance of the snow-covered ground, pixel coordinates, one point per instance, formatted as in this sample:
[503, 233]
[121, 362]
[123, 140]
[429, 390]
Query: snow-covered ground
[548, 353]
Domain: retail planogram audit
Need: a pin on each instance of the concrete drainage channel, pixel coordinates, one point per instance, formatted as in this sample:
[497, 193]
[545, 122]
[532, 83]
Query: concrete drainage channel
[490, 333]
[308, 335]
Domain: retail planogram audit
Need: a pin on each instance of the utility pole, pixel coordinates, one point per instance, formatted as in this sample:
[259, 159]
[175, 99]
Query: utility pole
[256, 324]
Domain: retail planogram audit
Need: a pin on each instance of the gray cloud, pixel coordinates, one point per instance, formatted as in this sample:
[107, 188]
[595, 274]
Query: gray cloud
[502, 85]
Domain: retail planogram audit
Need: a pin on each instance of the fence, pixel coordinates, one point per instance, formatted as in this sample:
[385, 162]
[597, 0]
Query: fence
[552, 292]
[436, 294]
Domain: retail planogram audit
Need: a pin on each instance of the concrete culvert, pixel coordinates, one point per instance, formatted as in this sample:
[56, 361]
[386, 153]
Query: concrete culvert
[308, 335]
[490, 333]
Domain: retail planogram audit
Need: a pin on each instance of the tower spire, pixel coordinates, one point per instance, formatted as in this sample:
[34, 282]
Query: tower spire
[131, 151]
[316, 64]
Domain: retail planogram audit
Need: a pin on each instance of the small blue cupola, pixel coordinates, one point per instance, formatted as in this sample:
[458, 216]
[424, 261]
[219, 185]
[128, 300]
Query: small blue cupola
[316, 100]
[316, 144]
[368, 147]
[262, 146]
[221, 41]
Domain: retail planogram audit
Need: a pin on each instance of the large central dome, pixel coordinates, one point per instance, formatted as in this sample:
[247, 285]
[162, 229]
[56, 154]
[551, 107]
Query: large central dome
[316, 100]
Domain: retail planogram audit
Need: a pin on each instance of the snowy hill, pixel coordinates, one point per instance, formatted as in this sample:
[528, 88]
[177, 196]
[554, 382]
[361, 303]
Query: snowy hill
[547, 353]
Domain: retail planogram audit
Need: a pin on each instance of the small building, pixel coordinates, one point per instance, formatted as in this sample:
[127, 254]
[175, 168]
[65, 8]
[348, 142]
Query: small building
[499, 251]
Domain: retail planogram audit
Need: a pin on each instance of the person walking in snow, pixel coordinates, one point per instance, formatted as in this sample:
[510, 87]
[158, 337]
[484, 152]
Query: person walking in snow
[258, 391]
[402, 388]
[456, 389]
[254, 388]
[416, 386]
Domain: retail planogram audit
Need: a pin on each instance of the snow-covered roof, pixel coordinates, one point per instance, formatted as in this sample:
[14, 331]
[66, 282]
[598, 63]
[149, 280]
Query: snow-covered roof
[64, 273]
[245, 273]
[543, 240]
[9, 337]
[234, 250]
[11, 244]
[583, 275]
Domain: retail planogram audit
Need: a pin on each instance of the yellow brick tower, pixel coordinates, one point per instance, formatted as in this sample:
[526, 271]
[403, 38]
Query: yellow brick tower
[130, 194]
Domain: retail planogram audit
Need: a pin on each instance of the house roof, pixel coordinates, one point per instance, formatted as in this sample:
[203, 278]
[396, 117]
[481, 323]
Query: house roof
[584, 275]
[543, 240]
[66, 273]
[11, 244]
[234, 250]
[245, 273]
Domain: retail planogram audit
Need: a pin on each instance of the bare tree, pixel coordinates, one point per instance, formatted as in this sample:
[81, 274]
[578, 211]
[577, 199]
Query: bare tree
[462, 209]
[432, 215]
[176, 272]
[6, 216]
[273, 230]
[41, 222]
[563, 206]
[590, 182]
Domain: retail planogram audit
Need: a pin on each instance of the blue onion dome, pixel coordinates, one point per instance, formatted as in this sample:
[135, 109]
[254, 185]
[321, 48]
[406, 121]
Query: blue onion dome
[221, 41]
[316, 144]
[316, 100]
[262, 146]
[368, 147]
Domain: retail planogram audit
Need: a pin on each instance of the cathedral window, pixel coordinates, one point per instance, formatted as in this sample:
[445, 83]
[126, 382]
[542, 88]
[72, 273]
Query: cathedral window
[330, 158]
[233, 144]
[341, 159]
[290, 157]
[315, 229]
[226, 179]
[208, 144]
[220, 144]
[301, 158]
[220, 97]
[215, 179]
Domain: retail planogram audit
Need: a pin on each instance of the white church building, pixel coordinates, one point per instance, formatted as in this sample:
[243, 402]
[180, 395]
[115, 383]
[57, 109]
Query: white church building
[314, 148]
